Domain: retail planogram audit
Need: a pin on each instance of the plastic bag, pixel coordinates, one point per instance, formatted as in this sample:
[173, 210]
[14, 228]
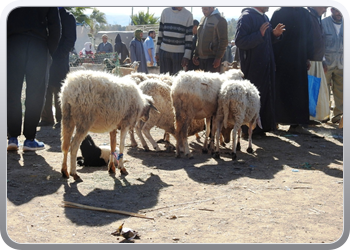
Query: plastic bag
[314, 88]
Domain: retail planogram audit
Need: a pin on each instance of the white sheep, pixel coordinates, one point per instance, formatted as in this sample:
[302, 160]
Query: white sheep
[99, 102]
[165, 119]
[238, 104]
[194, 95]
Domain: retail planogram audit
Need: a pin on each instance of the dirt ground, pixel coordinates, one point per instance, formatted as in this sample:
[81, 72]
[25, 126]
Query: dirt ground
[290, 190]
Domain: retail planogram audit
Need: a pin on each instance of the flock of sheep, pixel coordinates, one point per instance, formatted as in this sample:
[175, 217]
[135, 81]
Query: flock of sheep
[181, 105]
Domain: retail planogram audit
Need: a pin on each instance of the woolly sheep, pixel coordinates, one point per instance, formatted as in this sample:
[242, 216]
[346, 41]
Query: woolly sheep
[165, 119]
[194, 95]
[238, 104]
[99, 102]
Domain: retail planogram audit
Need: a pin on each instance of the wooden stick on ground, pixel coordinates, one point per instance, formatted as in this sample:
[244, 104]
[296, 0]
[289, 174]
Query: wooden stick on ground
[76, 205]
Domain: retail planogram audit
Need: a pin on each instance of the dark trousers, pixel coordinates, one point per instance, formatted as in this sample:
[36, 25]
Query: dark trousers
[207, 65]
[27, 59]
[47, 114]
[170, 62]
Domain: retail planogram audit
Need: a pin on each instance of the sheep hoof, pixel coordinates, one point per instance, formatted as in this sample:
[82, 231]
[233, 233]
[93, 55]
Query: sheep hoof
[123, 172]
[133, 145]
[204, 150]
[111, 170]
[177, 156]
[223, 144]
[234, 156]
[146, 148]
[161, 141]
[76, 178]
[217, 155]
[238, 147]
[65, 174]
[249, 150]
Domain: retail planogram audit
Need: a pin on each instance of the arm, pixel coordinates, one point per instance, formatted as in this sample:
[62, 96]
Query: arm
[246, 38]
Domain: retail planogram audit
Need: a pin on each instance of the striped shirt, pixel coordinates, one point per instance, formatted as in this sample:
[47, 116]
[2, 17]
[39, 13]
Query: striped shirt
[175, 32]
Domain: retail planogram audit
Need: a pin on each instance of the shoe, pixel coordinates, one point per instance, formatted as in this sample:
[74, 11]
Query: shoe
[32, 145]
[314, 122]
[45, 123]
[12, 144]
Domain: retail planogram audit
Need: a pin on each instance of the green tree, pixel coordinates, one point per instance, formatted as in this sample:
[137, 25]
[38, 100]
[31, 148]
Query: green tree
[144, 18]
[231, 29]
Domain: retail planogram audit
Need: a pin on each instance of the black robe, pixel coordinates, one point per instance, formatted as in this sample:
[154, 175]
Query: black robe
[257, 62]
[120, 48]
[291, 55]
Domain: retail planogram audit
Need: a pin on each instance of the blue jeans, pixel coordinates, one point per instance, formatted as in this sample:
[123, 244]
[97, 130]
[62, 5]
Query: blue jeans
[27, 59]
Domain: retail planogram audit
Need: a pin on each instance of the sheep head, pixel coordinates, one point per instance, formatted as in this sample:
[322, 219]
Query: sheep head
[149, 105]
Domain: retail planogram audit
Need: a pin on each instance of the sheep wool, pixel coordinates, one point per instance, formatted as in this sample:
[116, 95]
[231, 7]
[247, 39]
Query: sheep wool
[99, 102]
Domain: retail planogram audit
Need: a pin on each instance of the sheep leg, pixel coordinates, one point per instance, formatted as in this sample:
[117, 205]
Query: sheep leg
[239, 134]
[76, 141]
[67, 130]
[113, 143]
[179, 136]
[250, 133]
[139, 134]
[146, 131]
[218, 136]
[234, 140]
[207, 133]
[212, 138]
[123, 133]
[132, 138]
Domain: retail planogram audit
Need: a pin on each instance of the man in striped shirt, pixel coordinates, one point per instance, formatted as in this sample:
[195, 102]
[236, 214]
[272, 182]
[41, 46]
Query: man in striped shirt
[174, 43]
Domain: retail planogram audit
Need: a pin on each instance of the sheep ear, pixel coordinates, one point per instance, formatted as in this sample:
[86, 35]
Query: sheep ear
[153, 107]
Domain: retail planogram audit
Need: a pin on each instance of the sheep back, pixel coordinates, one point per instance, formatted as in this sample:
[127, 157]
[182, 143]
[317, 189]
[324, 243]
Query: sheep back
[101, 99]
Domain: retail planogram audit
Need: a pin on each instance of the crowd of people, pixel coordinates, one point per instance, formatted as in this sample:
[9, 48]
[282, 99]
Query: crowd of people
[276, 55]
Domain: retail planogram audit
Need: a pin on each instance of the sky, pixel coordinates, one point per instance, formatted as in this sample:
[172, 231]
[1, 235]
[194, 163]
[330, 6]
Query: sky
[121, 15]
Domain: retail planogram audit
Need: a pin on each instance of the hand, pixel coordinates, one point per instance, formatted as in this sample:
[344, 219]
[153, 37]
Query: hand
[280, 28]
[195, 60]
[157, 57]
[216, 63]
[152, 61]
[264, 27]
[184, 62]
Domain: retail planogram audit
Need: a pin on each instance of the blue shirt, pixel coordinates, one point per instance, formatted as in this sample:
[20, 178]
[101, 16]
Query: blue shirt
[149, 44]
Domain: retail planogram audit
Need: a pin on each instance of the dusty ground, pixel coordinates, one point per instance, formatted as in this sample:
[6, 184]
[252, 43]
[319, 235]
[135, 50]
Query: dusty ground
[289, 191]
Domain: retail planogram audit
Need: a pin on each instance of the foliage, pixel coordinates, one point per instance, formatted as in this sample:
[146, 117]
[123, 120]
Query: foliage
[231, 29]
[144, 18]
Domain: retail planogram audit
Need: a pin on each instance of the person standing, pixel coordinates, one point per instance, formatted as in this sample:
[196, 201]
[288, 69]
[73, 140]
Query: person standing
[212, 40]
[137, 52]
[59, 69]
[33, 34]
[105, 46]
[121, 49]
[173, 50]
[316, 67]
[148, 45]
[334, 32]
[292, 55]
[254, 38]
